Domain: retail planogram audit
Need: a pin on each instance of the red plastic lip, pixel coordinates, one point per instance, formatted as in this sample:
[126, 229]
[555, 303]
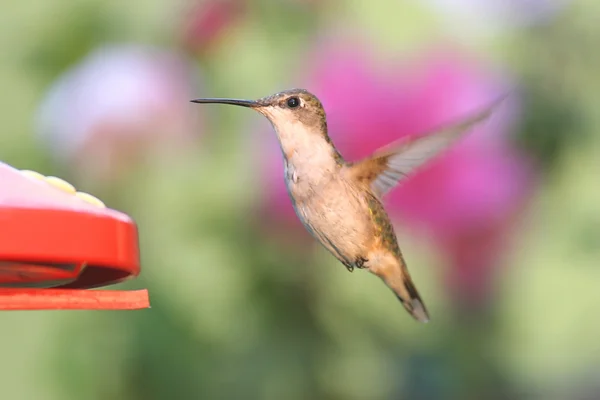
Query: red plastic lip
[51, 238]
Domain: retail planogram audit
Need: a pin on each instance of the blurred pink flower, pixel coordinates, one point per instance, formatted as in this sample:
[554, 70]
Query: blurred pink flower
[209, 21]
[461, 199]
[115, 105]
[467, 202]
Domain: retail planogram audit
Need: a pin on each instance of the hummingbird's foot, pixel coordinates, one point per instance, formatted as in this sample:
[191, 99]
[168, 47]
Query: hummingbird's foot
[360, 263]
[348, 266]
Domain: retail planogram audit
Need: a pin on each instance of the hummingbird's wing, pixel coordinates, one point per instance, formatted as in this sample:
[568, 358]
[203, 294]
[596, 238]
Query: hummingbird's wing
[389, 165]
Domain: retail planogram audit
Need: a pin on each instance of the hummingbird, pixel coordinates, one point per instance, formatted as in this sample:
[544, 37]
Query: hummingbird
[339, 202]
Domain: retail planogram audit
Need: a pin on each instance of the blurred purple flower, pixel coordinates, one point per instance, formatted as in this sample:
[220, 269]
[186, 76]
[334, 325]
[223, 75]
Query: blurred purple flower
[116, 104]
[464, 197]
[209, 21]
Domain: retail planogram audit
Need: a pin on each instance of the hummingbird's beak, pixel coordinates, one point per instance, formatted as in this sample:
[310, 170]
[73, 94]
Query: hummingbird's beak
[235, 102]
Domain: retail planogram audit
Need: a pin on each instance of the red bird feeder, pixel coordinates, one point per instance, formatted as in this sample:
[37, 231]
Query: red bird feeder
[55, 243]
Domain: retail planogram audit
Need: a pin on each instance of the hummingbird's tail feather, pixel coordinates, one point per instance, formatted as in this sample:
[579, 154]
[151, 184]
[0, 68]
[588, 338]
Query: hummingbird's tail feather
[396, 277]
[413, 303]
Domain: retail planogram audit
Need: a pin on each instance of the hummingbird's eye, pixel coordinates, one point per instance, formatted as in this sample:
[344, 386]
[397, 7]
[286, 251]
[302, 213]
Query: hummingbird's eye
[293, 102]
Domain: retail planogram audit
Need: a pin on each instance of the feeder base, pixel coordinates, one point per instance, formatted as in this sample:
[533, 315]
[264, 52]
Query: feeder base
[72, 299]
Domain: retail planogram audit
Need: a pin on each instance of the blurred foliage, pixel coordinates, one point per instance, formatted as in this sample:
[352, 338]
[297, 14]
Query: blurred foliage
[240, 312]
[554, 71]
[94, 25]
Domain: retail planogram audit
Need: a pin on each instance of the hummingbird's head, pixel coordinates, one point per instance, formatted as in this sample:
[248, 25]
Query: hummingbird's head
[288, 108]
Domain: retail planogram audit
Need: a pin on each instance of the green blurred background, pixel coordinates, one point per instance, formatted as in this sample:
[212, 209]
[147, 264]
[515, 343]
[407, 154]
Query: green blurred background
[244, 304]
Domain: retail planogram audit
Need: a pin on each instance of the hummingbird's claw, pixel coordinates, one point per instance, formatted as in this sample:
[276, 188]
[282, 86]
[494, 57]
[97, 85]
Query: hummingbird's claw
[349, 266]
[360, 263]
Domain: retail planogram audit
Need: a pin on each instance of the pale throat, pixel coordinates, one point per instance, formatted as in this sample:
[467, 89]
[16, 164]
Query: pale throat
[304, 147]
